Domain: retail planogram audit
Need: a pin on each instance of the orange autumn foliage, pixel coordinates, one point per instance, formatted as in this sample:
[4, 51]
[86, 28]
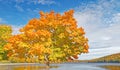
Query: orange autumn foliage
[52, 37]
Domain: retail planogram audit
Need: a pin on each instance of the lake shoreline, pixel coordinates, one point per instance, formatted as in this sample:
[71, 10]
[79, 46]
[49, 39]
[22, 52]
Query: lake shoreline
[98, 66]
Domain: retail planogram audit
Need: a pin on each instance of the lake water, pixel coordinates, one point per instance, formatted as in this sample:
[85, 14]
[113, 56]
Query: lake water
[71, 66]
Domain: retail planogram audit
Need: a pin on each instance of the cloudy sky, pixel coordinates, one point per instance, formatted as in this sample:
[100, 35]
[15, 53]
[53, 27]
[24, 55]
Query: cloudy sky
[100, 19]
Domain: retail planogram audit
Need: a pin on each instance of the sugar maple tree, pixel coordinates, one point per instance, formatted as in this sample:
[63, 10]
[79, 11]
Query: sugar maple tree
[51, 38]
[5, 33]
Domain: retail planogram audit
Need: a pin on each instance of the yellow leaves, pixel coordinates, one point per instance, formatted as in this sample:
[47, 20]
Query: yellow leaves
[42, 39]
[8, 47]
[58, 61]
[78, 52]
[28, 27]
[86, 48]
[31, 34]
[42, 14]
[22, 60]
[31, 22]
[73, 34]
[50, 16]
[15, 38]
[9, 54]
[39, 34]
[65, 46]
[58, 16]
[53, 59]
[81, 30]
[28, 60]
[23, 45]
[16, 59]
[73, 28]
[77, 32]
[54, 35]
[48, 44]
[5, 37]
[48, 51]
[5, 32]
[37, 49]
[68, 30]
[85, 51]
[68, 14]
[44, 33]
[69, 51]
[61, 35]
[50, 23]
[41, 57]
[63, 55]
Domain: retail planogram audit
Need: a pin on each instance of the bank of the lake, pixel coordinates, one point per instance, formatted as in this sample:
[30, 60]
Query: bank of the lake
[63, 66]
[111, 67]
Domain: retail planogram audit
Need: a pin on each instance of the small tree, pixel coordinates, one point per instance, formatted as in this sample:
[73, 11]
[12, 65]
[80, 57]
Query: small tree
[51, 38]
[5, 33]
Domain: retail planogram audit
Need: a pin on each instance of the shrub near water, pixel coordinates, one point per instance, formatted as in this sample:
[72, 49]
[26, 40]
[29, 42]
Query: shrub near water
[5, 33]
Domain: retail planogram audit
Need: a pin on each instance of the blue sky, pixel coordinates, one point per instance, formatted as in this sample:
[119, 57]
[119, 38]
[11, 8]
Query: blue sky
[100, 19]
[23, 10]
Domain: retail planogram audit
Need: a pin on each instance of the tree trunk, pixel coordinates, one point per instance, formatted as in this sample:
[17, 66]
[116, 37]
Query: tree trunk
[47, 62]
[47, 65]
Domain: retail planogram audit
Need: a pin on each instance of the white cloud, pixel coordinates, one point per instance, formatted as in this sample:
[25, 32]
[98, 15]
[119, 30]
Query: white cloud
[116, 18]
[105, 41]
[96, 53]
[46, 2]
[88, 20]
[43, 2]
[106, 38]
[102, 25]
[15, 29]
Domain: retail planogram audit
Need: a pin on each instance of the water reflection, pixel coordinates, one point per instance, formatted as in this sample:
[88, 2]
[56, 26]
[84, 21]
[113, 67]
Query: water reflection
[29, 68]
[33, 68]
[112, 67]
[26, 67]
[73, 66]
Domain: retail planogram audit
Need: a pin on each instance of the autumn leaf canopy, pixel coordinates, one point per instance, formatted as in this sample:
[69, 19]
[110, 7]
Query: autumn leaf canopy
[53, 35]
